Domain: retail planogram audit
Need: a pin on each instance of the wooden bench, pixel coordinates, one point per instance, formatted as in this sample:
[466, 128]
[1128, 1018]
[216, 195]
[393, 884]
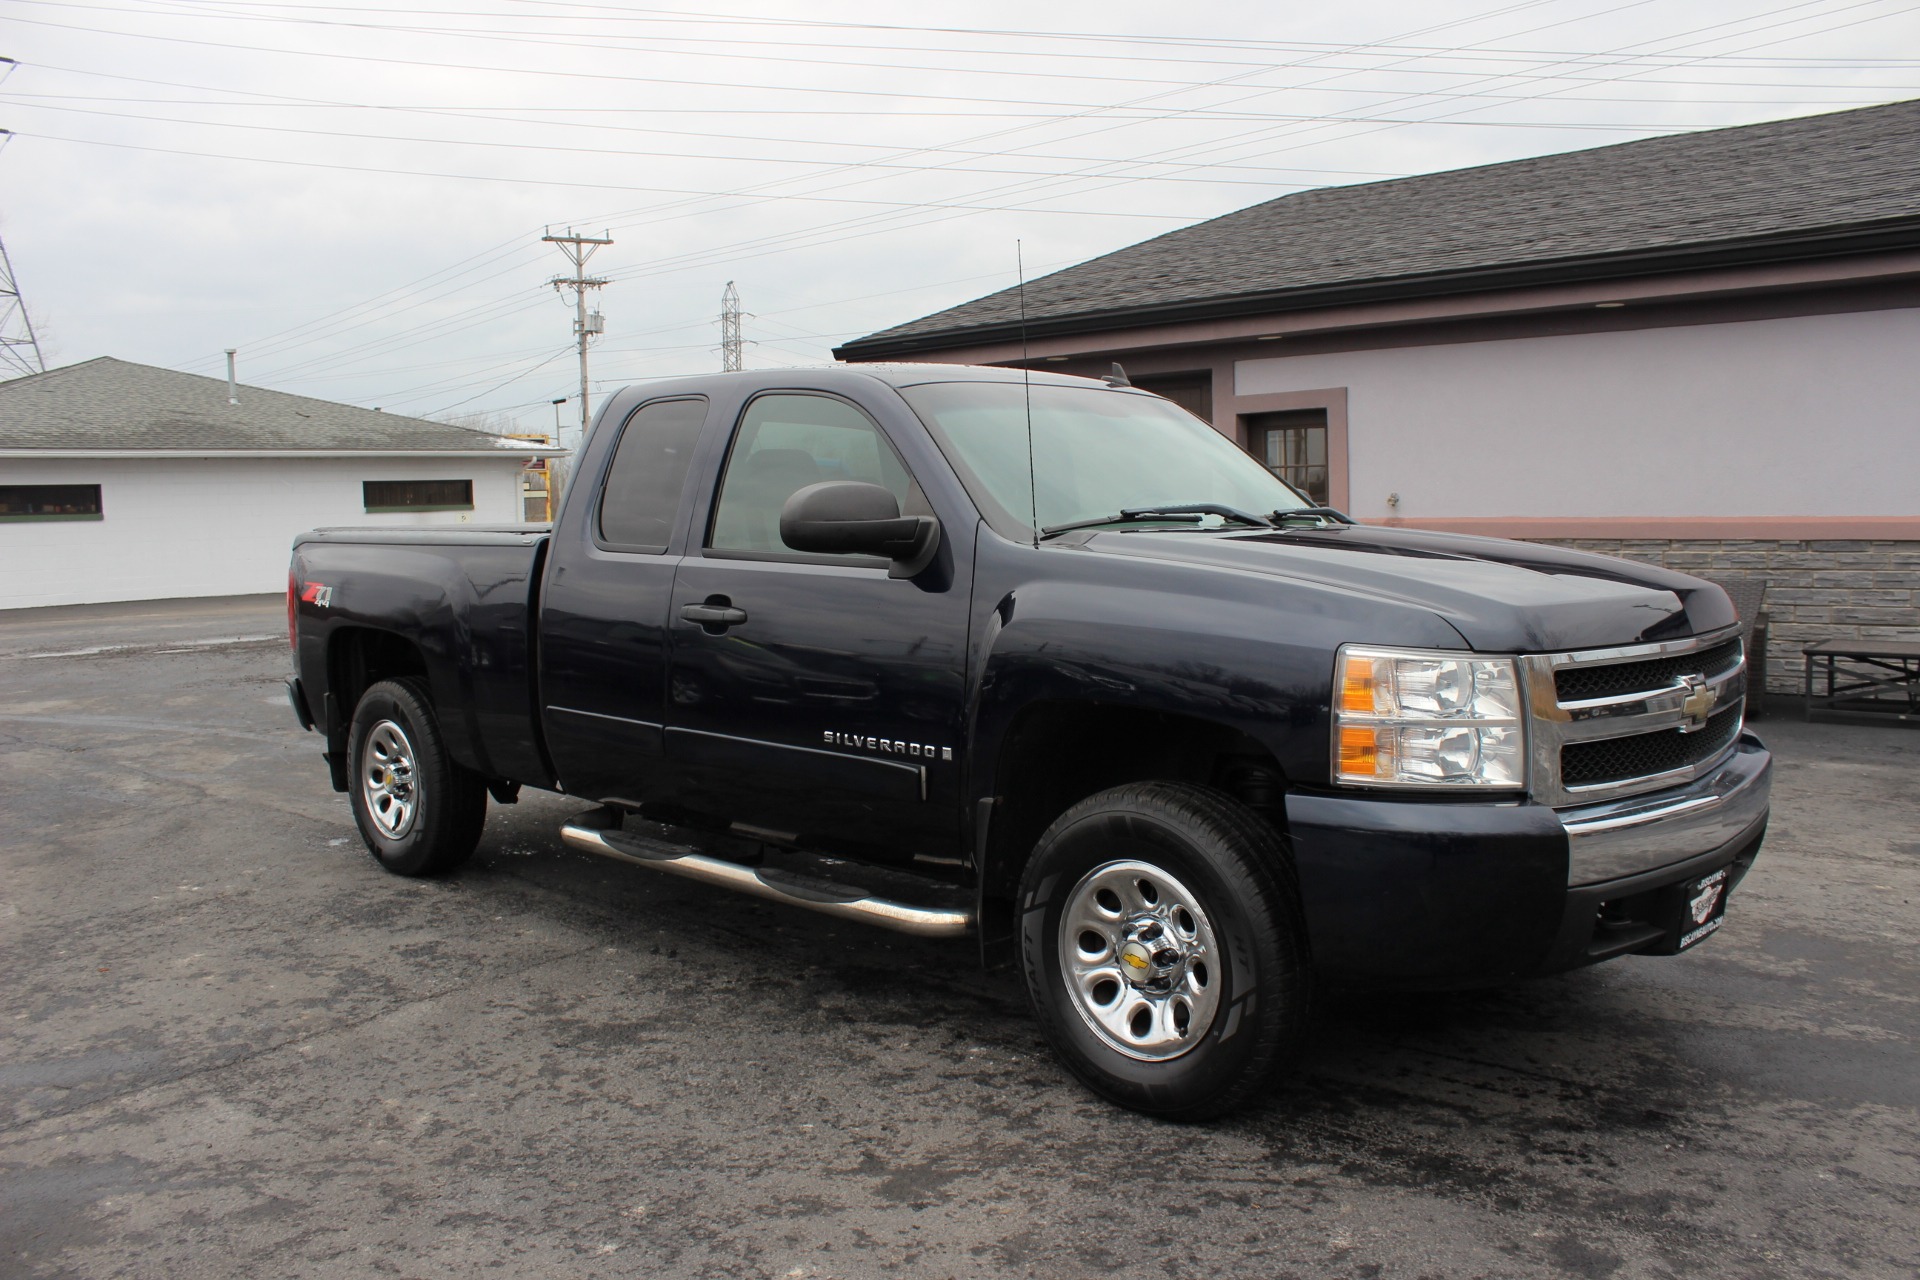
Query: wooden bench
[1881, 679]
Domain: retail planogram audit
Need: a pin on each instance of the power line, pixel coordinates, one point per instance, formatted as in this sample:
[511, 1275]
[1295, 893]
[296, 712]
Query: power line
[1153, 44]
[549, 149]
[772, 190]
[759, 86]
[899, 213]
[593, 186]
[531, 369]
[1677, 36]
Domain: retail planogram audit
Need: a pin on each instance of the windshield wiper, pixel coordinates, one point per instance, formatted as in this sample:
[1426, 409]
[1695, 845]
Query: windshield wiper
[1180, 513]
[1329, 513]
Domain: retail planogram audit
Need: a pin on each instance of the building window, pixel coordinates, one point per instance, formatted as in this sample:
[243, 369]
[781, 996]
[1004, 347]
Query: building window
[417, 495]
[1294, 447]
[50, 502]
[1191, 391]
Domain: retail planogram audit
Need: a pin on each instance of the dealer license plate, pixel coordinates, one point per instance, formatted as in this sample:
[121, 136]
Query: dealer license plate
[1705, 908]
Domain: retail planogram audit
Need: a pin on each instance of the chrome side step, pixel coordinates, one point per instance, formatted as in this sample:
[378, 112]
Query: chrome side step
[845, 901]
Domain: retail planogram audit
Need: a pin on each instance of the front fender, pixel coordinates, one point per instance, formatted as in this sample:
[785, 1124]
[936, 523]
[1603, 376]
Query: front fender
[1246, 651]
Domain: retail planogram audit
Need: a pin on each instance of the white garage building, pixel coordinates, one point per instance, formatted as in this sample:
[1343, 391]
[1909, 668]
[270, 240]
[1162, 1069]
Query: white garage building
[122, 481]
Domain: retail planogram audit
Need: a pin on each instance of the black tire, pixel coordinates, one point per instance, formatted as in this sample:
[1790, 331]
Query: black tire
[1250, 985]
[423, 819]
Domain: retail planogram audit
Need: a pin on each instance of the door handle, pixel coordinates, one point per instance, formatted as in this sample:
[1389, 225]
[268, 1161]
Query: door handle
[715, 615]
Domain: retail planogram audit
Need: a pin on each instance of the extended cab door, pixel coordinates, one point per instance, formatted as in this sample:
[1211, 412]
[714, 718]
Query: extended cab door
[603, 623]
[813, 694]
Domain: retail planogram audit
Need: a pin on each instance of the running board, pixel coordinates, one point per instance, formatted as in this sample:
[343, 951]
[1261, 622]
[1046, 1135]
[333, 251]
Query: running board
[824, 896]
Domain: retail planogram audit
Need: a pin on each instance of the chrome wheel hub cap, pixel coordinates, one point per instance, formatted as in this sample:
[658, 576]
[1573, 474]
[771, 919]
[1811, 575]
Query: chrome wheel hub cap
[1140, 961]
[386, 780]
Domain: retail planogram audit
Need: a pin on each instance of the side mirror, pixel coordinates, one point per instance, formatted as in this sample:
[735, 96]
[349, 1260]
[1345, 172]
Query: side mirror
[837, 517]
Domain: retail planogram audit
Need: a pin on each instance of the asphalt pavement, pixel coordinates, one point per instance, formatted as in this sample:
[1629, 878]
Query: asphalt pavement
[231, 1045]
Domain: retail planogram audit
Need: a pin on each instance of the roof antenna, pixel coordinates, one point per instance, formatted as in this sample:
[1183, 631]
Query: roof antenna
[1026, 390]
[1118, 378]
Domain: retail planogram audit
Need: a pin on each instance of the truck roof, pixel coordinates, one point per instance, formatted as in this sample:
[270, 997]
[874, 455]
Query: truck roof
[906, 374]
[894, 375]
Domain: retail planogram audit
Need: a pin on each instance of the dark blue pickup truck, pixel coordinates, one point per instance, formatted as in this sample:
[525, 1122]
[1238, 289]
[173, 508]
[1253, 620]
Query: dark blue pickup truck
[1047, 660]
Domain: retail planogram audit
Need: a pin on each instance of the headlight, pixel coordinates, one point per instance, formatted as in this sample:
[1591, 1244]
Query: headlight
[1417, 718]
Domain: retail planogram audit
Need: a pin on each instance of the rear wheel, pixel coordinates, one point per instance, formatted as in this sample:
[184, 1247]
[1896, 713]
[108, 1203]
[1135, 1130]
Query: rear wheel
[419, 811]
[1163, 948]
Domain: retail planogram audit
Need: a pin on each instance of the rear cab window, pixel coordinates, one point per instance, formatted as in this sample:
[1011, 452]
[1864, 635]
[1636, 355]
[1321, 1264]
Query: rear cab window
[640, 502]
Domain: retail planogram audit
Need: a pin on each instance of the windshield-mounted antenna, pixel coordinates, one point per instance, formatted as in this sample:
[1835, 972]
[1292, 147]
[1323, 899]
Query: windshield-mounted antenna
[1026, 391]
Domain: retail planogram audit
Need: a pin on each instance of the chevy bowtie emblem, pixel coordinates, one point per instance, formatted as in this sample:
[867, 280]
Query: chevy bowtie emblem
[1697, 705]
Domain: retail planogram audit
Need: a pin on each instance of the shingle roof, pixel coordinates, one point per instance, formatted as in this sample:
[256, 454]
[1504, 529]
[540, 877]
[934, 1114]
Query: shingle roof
[1843, 182]
[115, 404]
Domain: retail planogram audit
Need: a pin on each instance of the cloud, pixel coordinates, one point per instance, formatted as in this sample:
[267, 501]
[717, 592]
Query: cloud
[860, 175]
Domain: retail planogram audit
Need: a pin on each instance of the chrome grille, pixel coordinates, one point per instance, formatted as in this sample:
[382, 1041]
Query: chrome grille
[1576, 684]
[1607, 723]
[1584, 764]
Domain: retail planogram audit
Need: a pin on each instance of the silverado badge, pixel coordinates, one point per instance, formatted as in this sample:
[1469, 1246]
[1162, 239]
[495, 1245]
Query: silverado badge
[886, 746]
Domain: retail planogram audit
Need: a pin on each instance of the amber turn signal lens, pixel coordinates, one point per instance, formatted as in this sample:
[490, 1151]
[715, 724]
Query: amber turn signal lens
[1359, 752]
[1356, 686]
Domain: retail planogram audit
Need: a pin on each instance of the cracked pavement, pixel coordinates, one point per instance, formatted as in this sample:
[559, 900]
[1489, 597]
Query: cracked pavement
[230, 1045]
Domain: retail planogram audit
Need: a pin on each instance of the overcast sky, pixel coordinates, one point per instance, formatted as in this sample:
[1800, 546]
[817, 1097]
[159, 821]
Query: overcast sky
[353, 194]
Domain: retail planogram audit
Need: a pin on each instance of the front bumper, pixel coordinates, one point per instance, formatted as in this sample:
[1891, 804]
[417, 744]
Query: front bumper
[1462, 893]
[1629, 837]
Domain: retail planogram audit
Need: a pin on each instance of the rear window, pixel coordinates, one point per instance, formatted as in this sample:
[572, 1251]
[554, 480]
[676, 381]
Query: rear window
[641, 499]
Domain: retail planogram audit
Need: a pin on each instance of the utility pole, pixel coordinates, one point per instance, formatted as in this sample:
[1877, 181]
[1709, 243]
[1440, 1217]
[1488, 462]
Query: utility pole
[19, 345]
[586, 324]
[730, 329]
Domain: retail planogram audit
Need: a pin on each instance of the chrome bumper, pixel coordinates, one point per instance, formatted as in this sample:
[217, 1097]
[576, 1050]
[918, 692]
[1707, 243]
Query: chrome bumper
[1647, 832]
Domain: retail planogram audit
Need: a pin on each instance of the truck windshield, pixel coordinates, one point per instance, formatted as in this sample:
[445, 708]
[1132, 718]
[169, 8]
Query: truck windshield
[1096, 452]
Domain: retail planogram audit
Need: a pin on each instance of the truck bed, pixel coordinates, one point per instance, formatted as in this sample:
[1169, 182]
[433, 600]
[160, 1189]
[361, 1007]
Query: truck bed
[464, 597]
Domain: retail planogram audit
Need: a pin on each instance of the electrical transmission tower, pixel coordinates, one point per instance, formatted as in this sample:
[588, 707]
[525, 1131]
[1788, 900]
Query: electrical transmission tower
[19, 347]
[586, 324]
[730, 343]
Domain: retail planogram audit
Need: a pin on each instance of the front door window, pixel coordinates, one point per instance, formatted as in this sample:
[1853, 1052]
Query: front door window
[787, 442]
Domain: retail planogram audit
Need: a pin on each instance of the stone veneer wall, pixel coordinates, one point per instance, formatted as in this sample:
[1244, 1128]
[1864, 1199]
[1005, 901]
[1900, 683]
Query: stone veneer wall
[1815, 590]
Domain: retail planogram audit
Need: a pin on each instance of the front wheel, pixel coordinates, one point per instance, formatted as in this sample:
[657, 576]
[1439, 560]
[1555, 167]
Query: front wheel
[419, 810]
[1163, 948]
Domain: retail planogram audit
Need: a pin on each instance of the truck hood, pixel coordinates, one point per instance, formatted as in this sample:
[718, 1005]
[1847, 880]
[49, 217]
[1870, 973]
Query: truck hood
[1501, 596]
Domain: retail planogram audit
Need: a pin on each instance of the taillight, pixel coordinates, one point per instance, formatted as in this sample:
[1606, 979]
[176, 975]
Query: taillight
[293, 602]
